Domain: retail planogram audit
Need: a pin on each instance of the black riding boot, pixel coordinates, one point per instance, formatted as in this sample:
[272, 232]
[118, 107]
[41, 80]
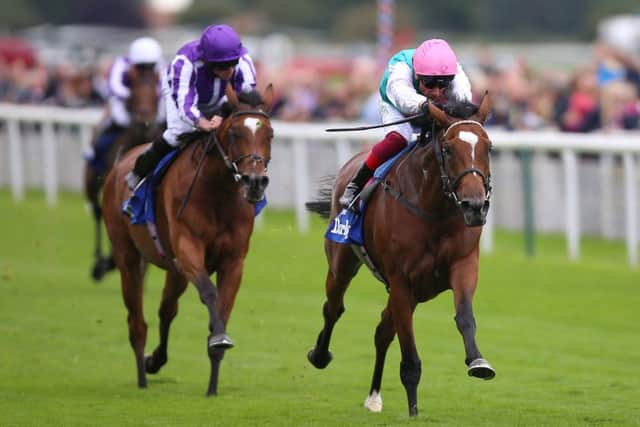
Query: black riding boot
[147, 161]
[354, 187]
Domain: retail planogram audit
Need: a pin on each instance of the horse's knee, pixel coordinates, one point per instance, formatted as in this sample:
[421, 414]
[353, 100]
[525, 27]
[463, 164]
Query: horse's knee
[410, 371]
[326, 312]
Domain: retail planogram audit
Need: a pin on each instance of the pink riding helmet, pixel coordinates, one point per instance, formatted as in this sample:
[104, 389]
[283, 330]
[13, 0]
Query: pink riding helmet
[435, 57]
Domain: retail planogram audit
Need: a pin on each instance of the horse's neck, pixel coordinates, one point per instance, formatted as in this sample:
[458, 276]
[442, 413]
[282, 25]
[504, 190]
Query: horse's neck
[419, 180]
[213, 171]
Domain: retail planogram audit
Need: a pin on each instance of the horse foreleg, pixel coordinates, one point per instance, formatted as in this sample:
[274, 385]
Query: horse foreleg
[92, 189]
[229, 278]
[402, 304]
[190, 257]
[383, 337]
[175, 284]
[464, 278]
[343, 267]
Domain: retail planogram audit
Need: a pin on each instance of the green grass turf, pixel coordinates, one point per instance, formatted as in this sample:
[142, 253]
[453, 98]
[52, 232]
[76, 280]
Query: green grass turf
[562, 337]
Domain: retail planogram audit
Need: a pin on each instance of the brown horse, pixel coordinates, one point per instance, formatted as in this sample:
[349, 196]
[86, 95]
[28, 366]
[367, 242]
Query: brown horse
[422, 232]
[143, 107]
[211, 234]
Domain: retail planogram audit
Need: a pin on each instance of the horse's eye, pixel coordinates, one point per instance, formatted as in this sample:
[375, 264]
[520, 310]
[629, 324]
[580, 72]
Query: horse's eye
[446, 149]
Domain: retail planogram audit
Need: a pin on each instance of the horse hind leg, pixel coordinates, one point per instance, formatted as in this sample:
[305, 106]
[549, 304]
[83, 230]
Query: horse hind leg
[383, 338]
[346, 266]
[132, 276]
[175, 285]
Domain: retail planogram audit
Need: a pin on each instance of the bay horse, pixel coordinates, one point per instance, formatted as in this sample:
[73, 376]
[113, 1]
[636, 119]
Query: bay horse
[143, 108]
[211, 234]
[422, 231]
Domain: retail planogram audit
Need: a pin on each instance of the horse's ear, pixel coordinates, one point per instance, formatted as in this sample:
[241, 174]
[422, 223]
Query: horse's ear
[484, 108]
[232, 97]
[440, 116]
[267, 97]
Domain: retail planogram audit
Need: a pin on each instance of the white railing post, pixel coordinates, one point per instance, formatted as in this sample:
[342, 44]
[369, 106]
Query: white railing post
[486, 239]
[49, 163]
[572, 218]
[343, 151]
[16, 164]
[607, 197]
[631, 208]
[301, 183]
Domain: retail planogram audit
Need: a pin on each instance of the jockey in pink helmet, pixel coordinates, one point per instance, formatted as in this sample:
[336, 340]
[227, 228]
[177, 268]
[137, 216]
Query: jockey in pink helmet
[412, 77]
[197, 78]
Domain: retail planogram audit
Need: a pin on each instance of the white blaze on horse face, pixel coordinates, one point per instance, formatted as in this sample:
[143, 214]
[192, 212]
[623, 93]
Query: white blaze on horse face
[471, 139]
[253, 124]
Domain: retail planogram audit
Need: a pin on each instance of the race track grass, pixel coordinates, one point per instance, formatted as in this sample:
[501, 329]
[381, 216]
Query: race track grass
[564, 338]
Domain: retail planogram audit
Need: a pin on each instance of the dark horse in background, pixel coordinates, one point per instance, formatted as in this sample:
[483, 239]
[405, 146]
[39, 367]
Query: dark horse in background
[422, 231]
[143, 108]
[211, 234]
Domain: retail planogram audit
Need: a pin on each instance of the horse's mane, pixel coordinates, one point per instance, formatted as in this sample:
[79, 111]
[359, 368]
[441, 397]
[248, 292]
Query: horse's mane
[459, 109]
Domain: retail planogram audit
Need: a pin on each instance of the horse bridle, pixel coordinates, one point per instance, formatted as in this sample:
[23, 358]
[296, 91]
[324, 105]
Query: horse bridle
[448, 185]
[232, 165]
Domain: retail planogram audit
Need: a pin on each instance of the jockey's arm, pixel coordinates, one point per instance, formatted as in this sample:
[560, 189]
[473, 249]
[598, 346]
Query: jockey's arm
[184, 93]
[116, 79]
[401, 91]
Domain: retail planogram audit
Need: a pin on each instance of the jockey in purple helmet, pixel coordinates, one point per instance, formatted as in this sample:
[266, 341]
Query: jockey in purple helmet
[412, 77]
[144, 52]
[197, 77]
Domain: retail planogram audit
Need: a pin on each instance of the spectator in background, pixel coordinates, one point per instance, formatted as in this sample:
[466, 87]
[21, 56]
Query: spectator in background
[579, 109]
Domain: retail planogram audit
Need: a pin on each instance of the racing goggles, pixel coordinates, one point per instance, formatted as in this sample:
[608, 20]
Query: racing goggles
[431, 82]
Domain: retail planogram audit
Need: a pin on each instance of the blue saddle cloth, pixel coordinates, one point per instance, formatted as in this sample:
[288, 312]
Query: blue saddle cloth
[140, 207]
[347, 226]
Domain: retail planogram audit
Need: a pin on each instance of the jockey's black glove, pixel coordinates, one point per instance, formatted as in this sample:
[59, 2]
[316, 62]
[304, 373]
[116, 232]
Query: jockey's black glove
[424, 107]
[425, 120]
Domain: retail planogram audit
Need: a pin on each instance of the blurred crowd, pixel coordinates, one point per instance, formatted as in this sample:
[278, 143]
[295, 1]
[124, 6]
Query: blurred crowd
[601, 94]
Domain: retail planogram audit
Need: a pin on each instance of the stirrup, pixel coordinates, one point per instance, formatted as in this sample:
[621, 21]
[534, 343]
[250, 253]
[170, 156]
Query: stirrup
[133, 181]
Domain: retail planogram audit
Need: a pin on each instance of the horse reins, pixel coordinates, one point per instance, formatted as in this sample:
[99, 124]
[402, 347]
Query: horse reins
[232, 165]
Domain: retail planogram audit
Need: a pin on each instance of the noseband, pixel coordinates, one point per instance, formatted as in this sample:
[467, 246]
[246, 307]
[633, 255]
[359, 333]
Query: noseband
[232, 165]
[449, 185]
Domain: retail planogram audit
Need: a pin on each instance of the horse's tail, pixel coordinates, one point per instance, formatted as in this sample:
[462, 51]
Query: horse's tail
[322, 204]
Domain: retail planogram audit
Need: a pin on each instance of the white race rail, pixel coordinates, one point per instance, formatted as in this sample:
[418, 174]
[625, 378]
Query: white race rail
[299, 135]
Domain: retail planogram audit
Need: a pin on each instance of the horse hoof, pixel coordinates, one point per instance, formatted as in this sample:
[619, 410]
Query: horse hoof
[413, 411]
[373, 402]
[153, 363]
[480, 368]
[221, 341]
[319, 362]
[97, 272]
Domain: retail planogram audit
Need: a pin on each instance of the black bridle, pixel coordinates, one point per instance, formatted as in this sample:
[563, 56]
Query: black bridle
[449, 185]
[232, 165]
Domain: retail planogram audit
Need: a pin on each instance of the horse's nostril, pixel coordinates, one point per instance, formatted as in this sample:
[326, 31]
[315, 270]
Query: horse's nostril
[264, 181]
[245, 179]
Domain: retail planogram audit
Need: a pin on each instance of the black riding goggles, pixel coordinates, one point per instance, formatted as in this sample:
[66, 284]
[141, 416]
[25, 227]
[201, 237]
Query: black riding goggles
[431, 82]
[224, 65]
